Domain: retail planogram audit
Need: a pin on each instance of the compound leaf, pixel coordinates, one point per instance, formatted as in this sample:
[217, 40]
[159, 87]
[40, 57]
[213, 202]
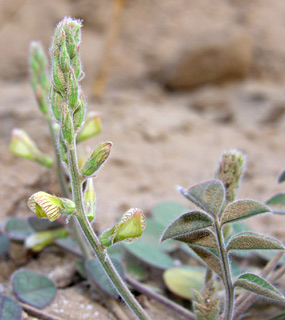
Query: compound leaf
[255, 284]
[208, 195]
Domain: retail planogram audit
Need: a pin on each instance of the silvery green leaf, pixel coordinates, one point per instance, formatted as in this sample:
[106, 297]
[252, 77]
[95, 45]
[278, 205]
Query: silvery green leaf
[208, 195]
[255, 284]
[243, 209]
[204, 238]
[253, 241]
[9, 308]
[186, 223]
[211, 260]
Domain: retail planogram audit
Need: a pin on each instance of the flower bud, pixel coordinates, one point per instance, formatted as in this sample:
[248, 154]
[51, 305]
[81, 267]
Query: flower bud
[23, 146]
[79, 113]
[128, 229]
[56, 100]
[38, 241]
[72, 93]
[91, 128]
[90, 200]
[97, 158]
[230, 171]
[57, 73]
[46, 206]
[67, 126]
[64, 58]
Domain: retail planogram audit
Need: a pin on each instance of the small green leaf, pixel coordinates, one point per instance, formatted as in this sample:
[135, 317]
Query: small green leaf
[18, 229]
[43, 224]
[277, 203]
[255, 284]
[281, 178]
[186, 223]
[32, 288]
[210, 259]
[149, 254]
[243, 209]
[253, 241]
[134, 268]
[204, 238]
[4, 244]
[97, 275]
[69, 244]
[280, 316]
[165, 212]
[9, 309]
[181, 281]
[208, 195]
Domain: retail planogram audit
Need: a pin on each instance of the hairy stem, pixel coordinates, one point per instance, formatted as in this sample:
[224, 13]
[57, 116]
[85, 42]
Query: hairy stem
[94, 241]
[229, 298]
[62, 182]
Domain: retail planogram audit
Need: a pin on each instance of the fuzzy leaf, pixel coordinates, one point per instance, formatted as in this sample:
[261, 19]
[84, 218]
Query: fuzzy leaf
[281, 178]
[18, 229]
[211, 260]
[97, 275]
[204, 238]
[243, 209]
[186, 223]
[181, 281]
[255, 284]
[9, 309]
[32, 288]
[253, 241]
[4, 244]
[150, 254]
[209, 195]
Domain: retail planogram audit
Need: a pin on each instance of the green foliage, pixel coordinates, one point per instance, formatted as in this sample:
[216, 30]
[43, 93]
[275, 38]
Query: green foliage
[18, 229]
[255, 284]
[9, 309]
[4, 244]
[98, 276]
[181, 281]
[32, 288]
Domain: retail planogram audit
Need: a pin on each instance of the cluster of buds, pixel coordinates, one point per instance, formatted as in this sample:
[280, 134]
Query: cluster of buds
[67, 100]
[39, 76]
[230, 171]
[128, 229]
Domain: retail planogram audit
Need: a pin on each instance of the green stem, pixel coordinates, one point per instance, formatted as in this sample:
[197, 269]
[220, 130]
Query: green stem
[229, 298]
[62, 182]
[94, 242]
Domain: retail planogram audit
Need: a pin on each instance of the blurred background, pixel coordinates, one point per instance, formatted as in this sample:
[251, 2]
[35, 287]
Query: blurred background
[176, 82]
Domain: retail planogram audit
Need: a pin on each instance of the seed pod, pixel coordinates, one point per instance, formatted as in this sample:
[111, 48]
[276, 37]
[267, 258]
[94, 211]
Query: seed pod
[97, 158]
[46, 206]
[128, 229]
